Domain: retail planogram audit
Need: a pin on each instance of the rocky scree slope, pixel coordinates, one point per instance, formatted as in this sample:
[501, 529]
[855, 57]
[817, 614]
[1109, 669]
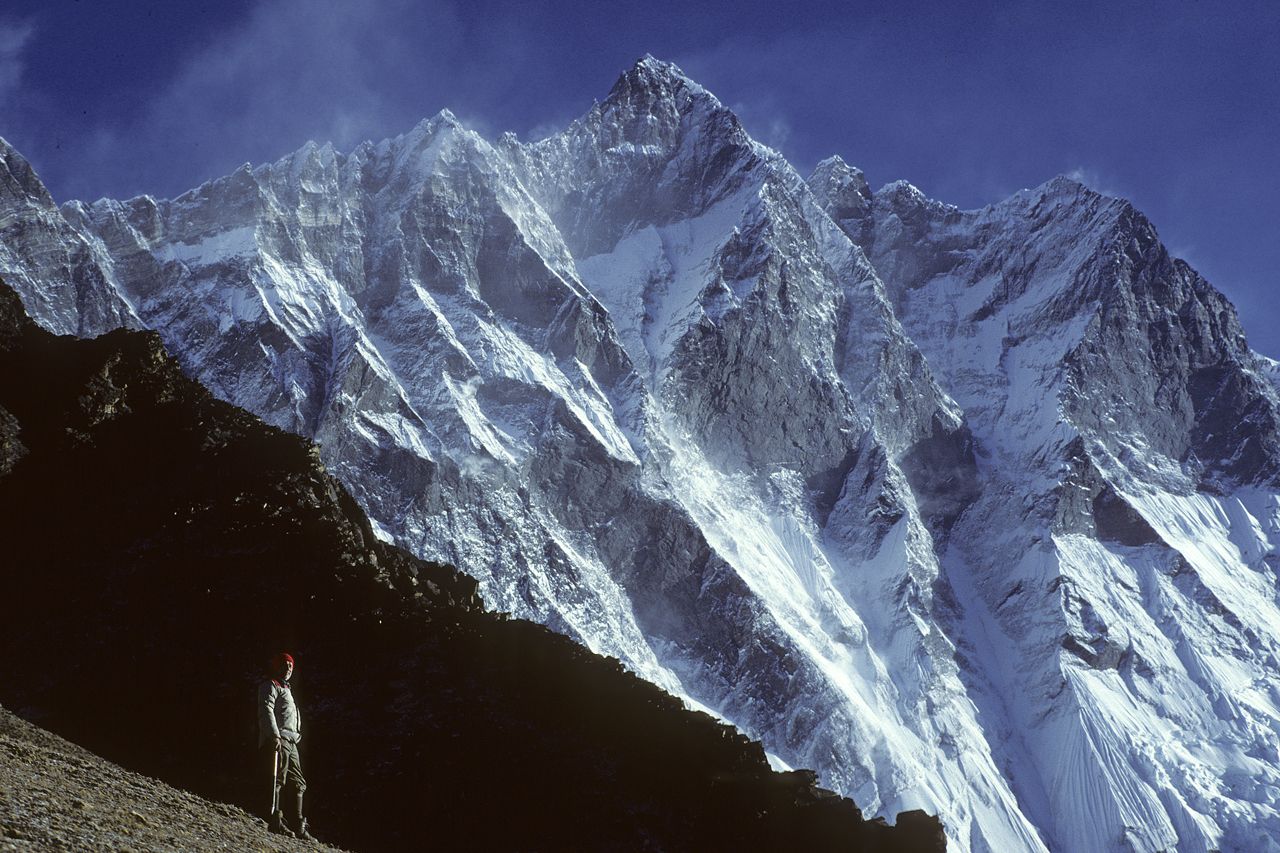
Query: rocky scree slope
[966, 509]
[55, 795]
[161, 542]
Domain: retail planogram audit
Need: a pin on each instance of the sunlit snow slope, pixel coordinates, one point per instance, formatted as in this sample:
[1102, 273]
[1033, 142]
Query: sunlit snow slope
[971, 511]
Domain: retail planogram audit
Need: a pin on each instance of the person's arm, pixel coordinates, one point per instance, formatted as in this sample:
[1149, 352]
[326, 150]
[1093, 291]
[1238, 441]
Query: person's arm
[267, 711]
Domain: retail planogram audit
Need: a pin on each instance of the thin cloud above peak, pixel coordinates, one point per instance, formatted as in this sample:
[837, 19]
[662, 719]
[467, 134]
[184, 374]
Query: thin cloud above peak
[283, 76]
[14, 38]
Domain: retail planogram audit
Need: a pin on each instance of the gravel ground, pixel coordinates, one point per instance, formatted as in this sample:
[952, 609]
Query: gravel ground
[55, 795]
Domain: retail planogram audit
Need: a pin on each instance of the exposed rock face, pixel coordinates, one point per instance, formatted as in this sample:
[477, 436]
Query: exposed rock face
[49, 263]
[159, 543]
[820, 459]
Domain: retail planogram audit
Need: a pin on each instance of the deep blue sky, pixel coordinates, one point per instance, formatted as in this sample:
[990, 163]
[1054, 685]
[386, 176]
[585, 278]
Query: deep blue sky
[1175, 105]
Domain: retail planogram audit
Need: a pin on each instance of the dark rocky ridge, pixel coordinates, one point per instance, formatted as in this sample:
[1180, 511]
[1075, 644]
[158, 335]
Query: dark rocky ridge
[159, 543]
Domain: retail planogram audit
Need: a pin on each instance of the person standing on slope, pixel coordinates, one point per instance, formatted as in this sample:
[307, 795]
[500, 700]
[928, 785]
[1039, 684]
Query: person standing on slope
[279, 730]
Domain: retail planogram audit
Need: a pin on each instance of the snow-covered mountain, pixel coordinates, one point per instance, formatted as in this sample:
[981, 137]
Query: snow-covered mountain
[972, 511]
[1121, 558]
[49, 263]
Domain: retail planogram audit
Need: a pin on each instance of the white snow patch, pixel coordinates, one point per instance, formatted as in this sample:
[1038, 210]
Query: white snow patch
[213, 248]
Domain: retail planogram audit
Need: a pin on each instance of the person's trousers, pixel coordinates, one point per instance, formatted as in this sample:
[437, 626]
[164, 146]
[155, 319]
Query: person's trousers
[288, 775]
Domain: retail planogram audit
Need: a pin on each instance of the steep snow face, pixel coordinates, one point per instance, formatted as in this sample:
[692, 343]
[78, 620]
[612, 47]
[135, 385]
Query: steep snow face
[789, 395]
[970, 511]
[409, 307]
[1122, 557]
[415, 306]
[629, 406]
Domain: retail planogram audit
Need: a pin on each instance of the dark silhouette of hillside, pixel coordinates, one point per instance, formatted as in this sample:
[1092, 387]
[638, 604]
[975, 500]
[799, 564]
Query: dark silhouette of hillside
[160, 544]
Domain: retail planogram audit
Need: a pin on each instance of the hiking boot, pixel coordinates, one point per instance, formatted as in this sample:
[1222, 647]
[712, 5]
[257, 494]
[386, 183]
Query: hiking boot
[299, 821]
[277, 825]
[302, 833]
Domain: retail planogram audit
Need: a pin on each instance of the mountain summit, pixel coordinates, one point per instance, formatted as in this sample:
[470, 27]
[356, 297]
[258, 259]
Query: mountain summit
[972, 511]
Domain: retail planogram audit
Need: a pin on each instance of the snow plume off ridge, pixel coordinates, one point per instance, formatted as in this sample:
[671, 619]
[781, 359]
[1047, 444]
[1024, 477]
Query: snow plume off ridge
[971, 511]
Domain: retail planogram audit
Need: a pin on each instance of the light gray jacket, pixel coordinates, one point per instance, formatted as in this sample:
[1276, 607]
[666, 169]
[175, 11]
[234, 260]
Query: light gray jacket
[277, 714]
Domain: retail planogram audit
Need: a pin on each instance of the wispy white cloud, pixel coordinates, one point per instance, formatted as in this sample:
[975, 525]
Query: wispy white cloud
[1094, 180]
[292, 67]
[765, 123]
[14, 36]
[293, 70]
[542, 130]
[1190, 253]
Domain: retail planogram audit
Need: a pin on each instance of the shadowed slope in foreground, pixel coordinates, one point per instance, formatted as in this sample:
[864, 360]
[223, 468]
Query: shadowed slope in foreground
[160, 543]
[55, 795]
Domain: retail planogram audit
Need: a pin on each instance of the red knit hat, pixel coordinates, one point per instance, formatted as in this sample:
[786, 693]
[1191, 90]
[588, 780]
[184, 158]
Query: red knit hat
[278, 662]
